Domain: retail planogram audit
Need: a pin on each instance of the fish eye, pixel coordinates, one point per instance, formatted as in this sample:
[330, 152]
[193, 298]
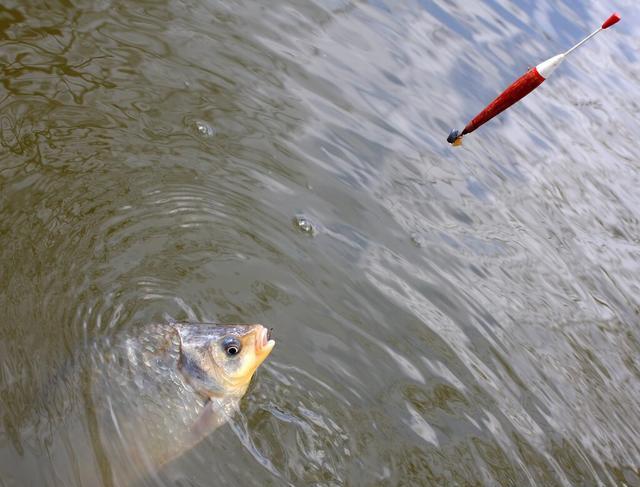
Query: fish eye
[231, 346]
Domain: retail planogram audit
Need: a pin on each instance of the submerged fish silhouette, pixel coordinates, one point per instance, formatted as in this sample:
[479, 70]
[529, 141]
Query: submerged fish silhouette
[149, 397]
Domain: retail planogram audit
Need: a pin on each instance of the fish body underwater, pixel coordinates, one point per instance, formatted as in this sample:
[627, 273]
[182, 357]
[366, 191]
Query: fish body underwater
[137, 401]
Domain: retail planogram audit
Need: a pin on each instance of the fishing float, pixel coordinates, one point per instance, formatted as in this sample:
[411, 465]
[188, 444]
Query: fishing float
[522, 86]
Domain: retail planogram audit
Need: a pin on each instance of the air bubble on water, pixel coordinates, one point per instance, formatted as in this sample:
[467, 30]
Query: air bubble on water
[301, 223]
[417, 240]
[204, 129]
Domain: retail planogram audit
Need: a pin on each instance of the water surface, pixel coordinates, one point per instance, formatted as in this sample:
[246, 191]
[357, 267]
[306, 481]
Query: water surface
[444, 316]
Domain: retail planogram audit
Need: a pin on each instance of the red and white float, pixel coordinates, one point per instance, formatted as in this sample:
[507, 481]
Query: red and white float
[522, 87]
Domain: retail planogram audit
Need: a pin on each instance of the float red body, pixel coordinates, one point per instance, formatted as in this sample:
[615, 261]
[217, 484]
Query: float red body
[522, 87]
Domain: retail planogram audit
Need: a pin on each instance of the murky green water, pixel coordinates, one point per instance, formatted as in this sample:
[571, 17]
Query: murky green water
[444, 317]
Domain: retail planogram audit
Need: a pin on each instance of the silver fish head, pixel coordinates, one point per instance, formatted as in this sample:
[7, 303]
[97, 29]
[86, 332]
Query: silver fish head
[219, 360]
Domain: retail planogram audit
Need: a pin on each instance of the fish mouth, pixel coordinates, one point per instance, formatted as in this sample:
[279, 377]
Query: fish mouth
[264, 342]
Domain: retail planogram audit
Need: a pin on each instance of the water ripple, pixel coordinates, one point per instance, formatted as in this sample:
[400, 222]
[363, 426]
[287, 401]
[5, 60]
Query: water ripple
[459, 316]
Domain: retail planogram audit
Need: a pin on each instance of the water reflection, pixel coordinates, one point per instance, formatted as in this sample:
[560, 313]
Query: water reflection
[459, 317]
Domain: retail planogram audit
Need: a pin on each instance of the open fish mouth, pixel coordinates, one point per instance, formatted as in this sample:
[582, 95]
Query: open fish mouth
[264, 342]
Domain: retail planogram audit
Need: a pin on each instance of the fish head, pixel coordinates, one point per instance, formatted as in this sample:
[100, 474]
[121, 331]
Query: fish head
[219, 360]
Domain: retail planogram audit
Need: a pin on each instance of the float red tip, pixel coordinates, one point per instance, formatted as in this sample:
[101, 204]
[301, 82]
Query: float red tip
[615, 17]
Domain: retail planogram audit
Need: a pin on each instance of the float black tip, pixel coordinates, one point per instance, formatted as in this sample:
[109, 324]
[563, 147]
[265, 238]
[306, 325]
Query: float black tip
[453, 136]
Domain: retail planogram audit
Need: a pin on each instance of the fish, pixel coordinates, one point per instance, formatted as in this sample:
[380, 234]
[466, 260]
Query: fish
[145, 398]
